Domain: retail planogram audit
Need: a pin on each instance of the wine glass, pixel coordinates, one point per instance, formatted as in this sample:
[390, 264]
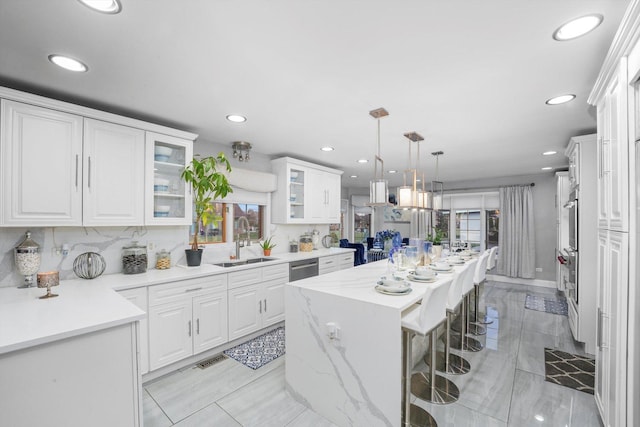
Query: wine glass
[432, 254]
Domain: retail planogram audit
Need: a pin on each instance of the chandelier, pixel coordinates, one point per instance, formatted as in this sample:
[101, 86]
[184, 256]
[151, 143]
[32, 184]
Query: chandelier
[378, 186]
[409, 196]
[241, 150]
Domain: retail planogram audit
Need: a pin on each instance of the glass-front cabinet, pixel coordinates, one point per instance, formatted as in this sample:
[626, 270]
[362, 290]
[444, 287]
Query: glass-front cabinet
[168, 197]
[296, 193]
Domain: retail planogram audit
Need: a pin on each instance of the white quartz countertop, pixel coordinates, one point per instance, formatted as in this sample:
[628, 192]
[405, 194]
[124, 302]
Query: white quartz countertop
[359, 284]
[85, 306]
[80, 308]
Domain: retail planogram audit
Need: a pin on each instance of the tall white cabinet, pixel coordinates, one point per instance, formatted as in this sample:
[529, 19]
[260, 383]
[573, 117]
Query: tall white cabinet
[617, 99]
[562, 225]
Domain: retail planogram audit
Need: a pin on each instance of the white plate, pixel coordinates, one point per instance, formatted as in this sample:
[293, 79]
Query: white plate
[461, 262]
[444, 270]
[384, 290]
[415, 278]
[394, 289]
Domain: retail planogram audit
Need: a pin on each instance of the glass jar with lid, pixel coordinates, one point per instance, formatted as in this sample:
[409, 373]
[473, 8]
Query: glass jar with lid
[134, 258]
[306, 243]
[27, 258]
[163, 259]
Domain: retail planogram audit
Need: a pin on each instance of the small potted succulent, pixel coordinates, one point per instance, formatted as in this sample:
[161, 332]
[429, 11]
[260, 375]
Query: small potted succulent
[208, 184]
[266, 246]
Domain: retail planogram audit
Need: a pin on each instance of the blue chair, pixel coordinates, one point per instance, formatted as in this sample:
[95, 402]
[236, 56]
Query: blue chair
[359, 253]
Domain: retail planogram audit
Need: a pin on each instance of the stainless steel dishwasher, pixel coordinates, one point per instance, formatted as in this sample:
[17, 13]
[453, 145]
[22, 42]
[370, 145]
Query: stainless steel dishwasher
[303, 269]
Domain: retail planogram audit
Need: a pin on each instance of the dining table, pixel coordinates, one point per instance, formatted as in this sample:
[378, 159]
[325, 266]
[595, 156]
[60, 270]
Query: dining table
[344, 342]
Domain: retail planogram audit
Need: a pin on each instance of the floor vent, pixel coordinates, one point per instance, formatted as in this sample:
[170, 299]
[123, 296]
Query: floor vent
[211, 362]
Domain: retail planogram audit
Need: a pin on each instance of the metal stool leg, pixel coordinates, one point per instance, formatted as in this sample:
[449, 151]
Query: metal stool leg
[473, 328]
[446, 361]
[480, 318]
[431, 387]
[412, 415]
[462, 341]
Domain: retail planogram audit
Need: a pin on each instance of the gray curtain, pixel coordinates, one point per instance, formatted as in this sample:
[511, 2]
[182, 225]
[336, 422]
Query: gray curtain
[517, 253]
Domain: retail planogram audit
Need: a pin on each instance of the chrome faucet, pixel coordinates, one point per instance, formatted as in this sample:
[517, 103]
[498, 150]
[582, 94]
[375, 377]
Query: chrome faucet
[247, 229]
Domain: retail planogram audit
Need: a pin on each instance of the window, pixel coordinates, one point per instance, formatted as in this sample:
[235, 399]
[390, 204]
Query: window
[362, 227]
[493, 221]
[214, 232]
[254, 214]
[468, 226]
[441, 224]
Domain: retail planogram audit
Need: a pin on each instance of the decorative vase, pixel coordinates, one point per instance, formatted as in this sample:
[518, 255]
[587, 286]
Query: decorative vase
[438, 251]
[388, 244]
[194, 258]
[267, 252]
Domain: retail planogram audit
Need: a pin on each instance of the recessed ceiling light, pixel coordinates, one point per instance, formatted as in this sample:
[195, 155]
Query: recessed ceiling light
[547, 168]
[577, 27]
[104, 6]
[560, 99]
[392, 171]
[539, 417]
[327, 148]
[353, 176]
[236, 118]
[68, 63]
[549, 153]
[363, 161]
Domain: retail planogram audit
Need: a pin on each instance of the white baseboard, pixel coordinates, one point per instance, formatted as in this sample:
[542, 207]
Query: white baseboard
[532, 282]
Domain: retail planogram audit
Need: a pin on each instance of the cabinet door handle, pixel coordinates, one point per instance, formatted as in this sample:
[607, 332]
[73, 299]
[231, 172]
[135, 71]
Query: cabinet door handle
[265, 305]
[198, 326]
[189, 327]
[193, 289]
[328, 262]
[89, 174]
[260, 306]
[599, 329]
[76, 171]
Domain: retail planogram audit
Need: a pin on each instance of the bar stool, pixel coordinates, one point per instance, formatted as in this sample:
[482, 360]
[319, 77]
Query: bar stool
[478, 317]
[446, 361]
[479, 277]
[464, 342]
[424, 319]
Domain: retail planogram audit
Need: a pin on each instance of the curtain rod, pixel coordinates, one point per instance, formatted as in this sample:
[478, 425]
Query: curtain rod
[533, 184]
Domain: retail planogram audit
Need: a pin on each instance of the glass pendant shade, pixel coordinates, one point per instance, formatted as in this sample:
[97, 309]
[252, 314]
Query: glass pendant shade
[378, 192]
[437, 190]
[405, 196]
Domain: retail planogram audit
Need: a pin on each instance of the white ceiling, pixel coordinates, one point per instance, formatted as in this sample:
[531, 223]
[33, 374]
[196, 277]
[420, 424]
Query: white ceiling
[470, 76]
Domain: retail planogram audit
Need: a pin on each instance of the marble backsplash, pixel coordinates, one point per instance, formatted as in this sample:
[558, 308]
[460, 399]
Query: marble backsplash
[108, 242]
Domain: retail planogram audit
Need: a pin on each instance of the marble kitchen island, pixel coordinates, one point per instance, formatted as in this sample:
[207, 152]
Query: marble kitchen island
[344, 345]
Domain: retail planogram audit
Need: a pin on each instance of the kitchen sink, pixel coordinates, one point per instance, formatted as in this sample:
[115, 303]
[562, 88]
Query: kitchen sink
[244, 261]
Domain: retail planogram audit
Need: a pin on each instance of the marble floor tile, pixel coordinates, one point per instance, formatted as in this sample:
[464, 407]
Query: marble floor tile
[152, 414]
[531, 351]
[536, 402]
[269, 403]
[203, 386]
[458, 415]
[211, 416]
[309, 418]
[539, 321]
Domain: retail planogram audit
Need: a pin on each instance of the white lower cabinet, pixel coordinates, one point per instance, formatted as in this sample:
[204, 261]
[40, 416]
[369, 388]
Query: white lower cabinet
[345, 260]
[186, 318]
[611, 332]
[331, 263]
[138, 297]
[256, 299]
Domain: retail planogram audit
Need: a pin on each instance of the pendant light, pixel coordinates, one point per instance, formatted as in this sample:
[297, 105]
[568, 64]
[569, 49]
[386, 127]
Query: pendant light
[378, 186]
[437, 187]
[408, 194]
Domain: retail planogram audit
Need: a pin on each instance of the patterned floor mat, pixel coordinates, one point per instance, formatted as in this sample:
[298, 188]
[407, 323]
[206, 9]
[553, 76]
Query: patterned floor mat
[556, 305]
[260, 350]
[569, 370]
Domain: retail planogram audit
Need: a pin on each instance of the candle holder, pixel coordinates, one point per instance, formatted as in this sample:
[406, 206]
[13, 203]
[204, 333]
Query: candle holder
[47, 280]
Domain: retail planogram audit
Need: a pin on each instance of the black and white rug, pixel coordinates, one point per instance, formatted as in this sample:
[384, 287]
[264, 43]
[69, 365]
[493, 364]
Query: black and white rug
[569, 370]
[556, 305]
[260, 350]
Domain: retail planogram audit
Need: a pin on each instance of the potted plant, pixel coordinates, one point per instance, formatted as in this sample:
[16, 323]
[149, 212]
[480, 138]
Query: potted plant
[208, 183]
[266, 246]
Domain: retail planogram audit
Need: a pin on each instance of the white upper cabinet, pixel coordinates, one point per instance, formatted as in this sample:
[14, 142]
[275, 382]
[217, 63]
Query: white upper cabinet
[113, 168]
[41, 156]
[613, 163]
[306, 193]
[168, 197]
[67, 165]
